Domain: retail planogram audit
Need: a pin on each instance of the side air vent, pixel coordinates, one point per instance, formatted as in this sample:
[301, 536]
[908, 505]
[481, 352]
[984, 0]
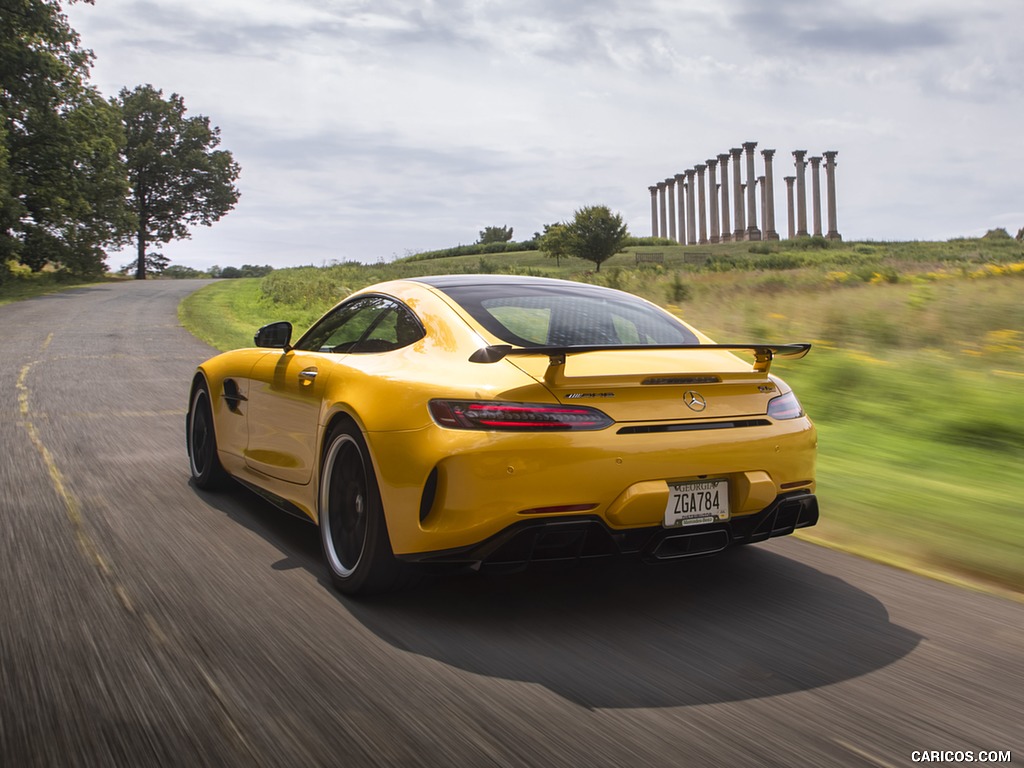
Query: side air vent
[429, 494]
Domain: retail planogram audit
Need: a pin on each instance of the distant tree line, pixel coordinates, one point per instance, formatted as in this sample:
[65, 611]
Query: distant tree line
[594, 234]
[80, 174]
[161, 268]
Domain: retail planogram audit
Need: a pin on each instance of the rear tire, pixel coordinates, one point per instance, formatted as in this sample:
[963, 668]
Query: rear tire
[353, 532]
[201, 441]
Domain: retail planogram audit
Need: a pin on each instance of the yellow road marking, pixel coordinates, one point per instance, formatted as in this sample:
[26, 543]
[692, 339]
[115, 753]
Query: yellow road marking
[71, 506]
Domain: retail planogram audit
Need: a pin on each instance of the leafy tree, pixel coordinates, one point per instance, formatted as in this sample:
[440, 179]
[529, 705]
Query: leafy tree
[155, 264]
[596, 234]
[180, 272]
[495, 235]
[252, 270]
[555, 241]
[62, 185]
[178, 178]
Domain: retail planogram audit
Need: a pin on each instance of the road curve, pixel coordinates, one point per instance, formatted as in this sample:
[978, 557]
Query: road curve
[146, 623]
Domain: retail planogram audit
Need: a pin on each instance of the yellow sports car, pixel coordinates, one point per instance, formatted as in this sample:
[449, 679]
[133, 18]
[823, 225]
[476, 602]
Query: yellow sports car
[496, 420]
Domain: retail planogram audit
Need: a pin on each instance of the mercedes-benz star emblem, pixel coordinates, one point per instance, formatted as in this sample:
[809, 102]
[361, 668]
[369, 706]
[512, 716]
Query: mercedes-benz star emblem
[694, 401]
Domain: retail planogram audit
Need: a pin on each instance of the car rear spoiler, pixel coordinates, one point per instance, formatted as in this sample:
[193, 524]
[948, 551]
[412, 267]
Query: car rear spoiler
[763, 353]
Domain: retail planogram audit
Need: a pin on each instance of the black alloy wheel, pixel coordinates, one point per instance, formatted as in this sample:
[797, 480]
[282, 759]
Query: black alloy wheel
[204, 465]
[353, 531]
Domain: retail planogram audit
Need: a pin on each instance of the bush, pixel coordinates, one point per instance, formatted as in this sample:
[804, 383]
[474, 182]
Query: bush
[997, 234]
[678, 291]
[781, 261]
[813, 243]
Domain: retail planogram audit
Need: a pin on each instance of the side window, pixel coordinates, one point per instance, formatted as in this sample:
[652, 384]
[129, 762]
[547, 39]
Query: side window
[368, 324]
[395, 328]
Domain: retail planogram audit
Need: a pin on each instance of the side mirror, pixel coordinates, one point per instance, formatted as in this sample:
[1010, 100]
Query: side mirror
[276, 335]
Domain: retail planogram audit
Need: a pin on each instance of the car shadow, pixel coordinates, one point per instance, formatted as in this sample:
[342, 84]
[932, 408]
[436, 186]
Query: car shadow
[748, 623]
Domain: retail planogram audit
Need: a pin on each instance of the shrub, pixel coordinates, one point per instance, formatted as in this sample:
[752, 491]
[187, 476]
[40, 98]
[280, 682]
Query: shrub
[678, 291]
[997, 234]
[815, 242]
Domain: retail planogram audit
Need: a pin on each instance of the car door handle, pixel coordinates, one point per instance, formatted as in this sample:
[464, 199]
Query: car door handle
[307, 375]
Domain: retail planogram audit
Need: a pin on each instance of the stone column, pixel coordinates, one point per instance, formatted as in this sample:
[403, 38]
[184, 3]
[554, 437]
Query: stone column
[816, 195]
[662, 228]
[769, 186]
[713, 200]
[753, 233]
[789, 206]
[654, 210]
[801, 194]
[764, 207]
[670, 185]
[723, 166]
[702, 204]
[691, 216]
[681, 207]
[830, 189]
[740, 231]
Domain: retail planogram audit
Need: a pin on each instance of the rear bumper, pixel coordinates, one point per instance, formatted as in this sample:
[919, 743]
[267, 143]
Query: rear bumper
[569, 539]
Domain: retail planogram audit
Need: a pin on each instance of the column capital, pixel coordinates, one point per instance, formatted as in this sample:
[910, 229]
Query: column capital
[789, 179]
[661, 185]
[690, 173]
[712, 163]
[749, 145]
[814, 161]
[723, 158]
[653, 190]
[830, 156]
[680, 178]
[767, 154]
[799, 154]
[699, 168]
[670, 181]
[736, 152]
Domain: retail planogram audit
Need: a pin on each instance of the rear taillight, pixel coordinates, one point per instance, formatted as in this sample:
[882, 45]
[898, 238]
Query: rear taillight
[515, 417]
[785, 407]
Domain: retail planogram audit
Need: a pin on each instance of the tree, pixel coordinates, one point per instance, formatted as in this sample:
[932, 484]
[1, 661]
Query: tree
[596, 234]
[178, 178]
[555, 241]
[495, 235]
[62, 185]
[155, 264]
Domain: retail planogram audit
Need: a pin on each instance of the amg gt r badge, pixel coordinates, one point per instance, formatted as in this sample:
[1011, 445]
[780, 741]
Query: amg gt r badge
[694, 401]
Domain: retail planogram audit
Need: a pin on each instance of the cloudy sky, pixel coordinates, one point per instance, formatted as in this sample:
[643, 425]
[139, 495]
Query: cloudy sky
[369, 129]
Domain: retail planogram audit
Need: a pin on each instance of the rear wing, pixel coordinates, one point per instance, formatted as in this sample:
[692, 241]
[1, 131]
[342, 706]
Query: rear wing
[763, 353]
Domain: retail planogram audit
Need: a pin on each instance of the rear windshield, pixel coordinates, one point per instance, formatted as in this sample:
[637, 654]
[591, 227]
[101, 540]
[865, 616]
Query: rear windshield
[546, 315]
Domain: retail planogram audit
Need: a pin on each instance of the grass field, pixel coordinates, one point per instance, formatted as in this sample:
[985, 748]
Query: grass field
[916, 380]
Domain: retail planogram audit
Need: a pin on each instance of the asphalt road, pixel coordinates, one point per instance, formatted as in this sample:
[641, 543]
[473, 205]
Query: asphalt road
[145, 623]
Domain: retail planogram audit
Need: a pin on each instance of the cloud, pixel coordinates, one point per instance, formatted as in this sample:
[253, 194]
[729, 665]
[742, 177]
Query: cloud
[840, 29]
[369, 127]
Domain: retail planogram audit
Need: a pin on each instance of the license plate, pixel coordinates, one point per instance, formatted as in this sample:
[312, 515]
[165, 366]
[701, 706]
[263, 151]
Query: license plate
[697, 502]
